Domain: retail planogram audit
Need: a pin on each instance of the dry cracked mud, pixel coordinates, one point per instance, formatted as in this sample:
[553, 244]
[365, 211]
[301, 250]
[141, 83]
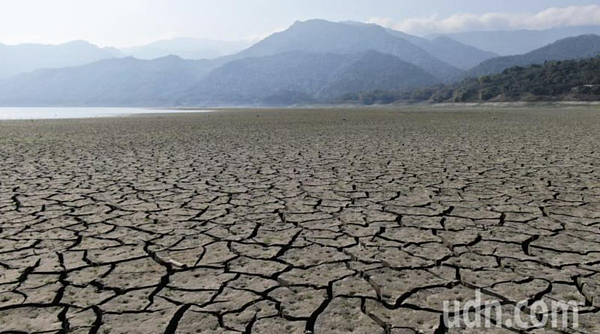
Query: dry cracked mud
[297, 221]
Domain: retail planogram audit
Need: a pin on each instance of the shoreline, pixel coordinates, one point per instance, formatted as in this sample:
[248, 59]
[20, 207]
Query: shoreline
[71, 113]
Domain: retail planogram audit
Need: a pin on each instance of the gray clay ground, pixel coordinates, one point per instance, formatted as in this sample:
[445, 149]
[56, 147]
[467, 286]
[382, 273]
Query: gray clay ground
[322, 221]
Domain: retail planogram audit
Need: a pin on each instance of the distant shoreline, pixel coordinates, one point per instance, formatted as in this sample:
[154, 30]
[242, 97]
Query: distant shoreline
[404, 104]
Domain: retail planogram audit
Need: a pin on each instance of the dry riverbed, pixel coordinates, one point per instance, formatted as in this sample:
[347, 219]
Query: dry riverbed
[296, 221]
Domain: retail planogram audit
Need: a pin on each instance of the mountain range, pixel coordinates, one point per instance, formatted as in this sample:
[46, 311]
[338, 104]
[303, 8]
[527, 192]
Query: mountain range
[313, 76]
[312, 61]
[516, 42]
[320, 36]
[23, 58]
[186, 48]
[110, 82]
[281, 79]
[585, 46]
[455, 53]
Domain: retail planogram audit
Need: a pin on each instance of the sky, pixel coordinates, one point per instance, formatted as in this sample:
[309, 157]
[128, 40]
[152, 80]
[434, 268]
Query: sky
[123, 23]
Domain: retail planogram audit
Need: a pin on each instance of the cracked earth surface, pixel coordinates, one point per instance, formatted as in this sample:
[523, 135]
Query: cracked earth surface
[307, 221]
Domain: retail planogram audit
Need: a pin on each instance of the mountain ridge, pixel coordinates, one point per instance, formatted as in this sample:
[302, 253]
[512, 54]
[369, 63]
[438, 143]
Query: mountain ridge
[109, 82]
[321, 36]
[312, 61]
[186, 48]
[23, 58]
[516, 42]
[172, 81]
[584, 46]
[251, 80]
[568, 80]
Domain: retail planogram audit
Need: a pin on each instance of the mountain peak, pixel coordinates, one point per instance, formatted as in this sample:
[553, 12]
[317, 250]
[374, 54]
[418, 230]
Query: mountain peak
[167, 59]
[312, 22]
[79, 42]
[322, 36]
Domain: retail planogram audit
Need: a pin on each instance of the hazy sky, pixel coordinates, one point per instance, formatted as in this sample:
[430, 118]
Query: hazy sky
[133, 22]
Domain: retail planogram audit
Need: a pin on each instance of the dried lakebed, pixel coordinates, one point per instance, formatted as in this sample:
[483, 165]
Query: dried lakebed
[296, 221]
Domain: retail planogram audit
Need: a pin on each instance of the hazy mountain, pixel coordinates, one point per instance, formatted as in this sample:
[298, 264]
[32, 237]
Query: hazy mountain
[585, 46]
[516, 42]
[23, 58]
[112, 82]
[458, 54]
[312, 61]
[373, 70]
[452, 52]
[251, 80]
[281, 79]
[295, 77]
[187, 48]
[320, 36]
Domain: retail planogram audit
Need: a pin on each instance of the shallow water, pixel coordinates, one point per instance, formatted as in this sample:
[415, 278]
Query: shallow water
[64, 113]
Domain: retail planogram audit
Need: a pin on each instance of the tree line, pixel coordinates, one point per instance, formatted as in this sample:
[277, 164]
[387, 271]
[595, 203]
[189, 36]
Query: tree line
[551, 81]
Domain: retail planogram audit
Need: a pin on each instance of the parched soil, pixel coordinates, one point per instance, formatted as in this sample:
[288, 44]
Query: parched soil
[297, 221]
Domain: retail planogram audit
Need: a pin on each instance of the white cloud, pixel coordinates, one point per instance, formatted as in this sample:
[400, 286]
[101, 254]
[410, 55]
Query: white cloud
[549, 18]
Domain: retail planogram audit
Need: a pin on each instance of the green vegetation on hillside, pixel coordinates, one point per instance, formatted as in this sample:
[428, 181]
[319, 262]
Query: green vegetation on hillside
[573, 48]
[552, 81]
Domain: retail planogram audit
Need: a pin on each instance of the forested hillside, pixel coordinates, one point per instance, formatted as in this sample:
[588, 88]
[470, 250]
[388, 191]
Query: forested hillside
[552, 81]
[572, 48]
